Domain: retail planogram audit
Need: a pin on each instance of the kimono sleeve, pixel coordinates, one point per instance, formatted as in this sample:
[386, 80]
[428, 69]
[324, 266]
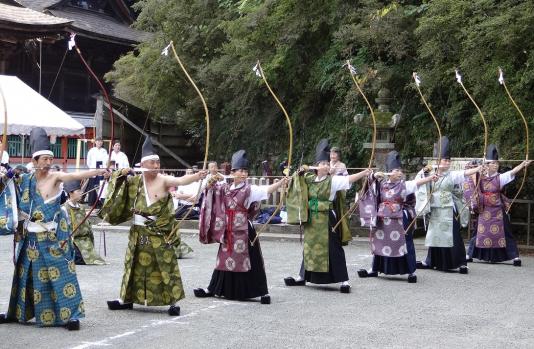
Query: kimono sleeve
[8, 209]
[340, 207]
[368, 202]
[338, 183]
[297, 200]
[506, 178]
[119, 199]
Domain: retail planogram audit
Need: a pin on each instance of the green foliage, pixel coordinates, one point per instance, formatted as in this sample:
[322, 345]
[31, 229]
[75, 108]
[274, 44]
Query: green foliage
[302, 45]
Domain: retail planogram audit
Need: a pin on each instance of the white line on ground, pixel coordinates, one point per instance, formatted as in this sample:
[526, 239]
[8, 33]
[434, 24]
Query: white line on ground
[157, 323]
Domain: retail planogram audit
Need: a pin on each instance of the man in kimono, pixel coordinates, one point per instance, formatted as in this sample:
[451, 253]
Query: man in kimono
[151, 274]
[314, 194]
[391, 245]
[444, 209]
[83, 239]
[493, 241]
[44, 282]
[226, 218]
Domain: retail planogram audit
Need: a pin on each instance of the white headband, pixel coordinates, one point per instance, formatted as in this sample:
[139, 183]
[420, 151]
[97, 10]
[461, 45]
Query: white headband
[150, 157]
[42, 152]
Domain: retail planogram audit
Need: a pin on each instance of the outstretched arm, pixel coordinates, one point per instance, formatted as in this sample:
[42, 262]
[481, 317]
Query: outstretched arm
[78, 176]
[424, 180]
[357, 176]
[521, 166]
[472, 171]
[171, 181]
[273, 187]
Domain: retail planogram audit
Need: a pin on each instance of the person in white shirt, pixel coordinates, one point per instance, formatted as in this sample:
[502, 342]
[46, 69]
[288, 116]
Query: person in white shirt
[121, 160]
[97, 157]
[185, 196]
[5, 155]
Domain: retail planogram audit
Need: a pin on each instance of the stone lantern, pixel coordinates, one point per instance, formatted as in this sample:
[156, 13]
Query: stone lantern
[386, 123]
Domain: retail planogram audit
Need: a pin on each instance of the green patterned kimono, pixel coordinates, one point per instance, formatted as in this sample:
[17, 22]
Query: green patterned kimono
[297, 206]
[151, 273]
[316, 227]
[340, 207]
[83, 237]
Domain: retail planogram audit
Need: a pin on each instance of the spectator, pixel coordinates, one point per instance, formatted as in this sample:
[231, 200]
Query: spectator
[96, 158]
[121, 160]
[213, 170]
[186, 196]
[5, 155]
[266, 169]
[337, 168]
[225, 167]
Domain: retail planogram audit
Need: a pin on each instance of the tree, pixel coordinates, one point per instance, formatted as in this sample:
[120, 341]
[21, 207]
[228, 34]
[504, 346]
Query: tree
[303, 45]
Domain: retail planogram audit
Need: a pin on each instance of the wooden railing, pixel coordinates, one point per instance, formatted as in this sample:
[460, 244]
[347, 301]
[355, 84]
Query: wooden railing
[525, 222]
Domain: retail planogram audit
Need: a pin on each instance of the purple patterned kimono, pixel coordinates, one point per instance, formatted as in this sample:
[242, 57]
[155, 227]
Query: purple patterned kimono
[490, 228]
[388, 237]
[224, 219]
[471, 197]
[368, 203]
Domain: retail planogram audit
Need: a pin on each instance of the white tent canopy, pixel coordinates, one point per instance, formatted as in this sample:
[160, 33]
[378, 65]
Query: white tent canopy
[27, 109]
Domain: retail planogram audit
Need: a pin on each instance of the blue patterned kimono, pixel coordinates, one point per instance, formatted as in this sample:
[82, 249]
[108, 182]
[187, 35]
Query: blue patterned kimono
[8, 207]
[44, 282]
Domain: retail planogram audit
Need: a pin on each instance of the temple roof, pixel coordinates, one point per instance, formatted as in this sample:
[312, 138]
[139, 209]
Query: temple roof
[38, 5]
[100, 26]
[22, 15]
[52, 14]
[21, 22]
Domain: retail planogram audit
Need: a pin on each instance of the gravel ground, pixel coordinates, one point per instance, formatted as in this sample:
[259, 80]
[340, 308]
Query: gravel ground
[491, 307]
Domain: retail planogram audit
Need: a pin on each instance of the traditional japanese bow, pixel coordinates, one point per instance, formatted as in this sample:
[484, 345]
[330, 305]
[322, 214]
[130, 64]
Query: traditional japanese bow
[503, 83]
[72, 44]
[459, 80]
[206, 148]
[353, 207]
[259, 72]
[417, 81]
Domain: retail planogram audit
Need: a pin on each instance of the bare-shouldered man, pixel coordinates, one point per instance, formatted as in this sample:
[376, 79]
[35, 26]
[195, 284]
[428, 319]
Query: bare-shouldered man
[151, 274]
[45, 285]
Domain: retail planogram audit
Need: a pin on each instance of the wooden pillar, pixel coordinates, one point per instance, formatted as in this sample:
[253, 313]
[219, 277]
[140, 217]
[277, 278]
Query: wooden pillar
[64, 151]
[99, 118]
